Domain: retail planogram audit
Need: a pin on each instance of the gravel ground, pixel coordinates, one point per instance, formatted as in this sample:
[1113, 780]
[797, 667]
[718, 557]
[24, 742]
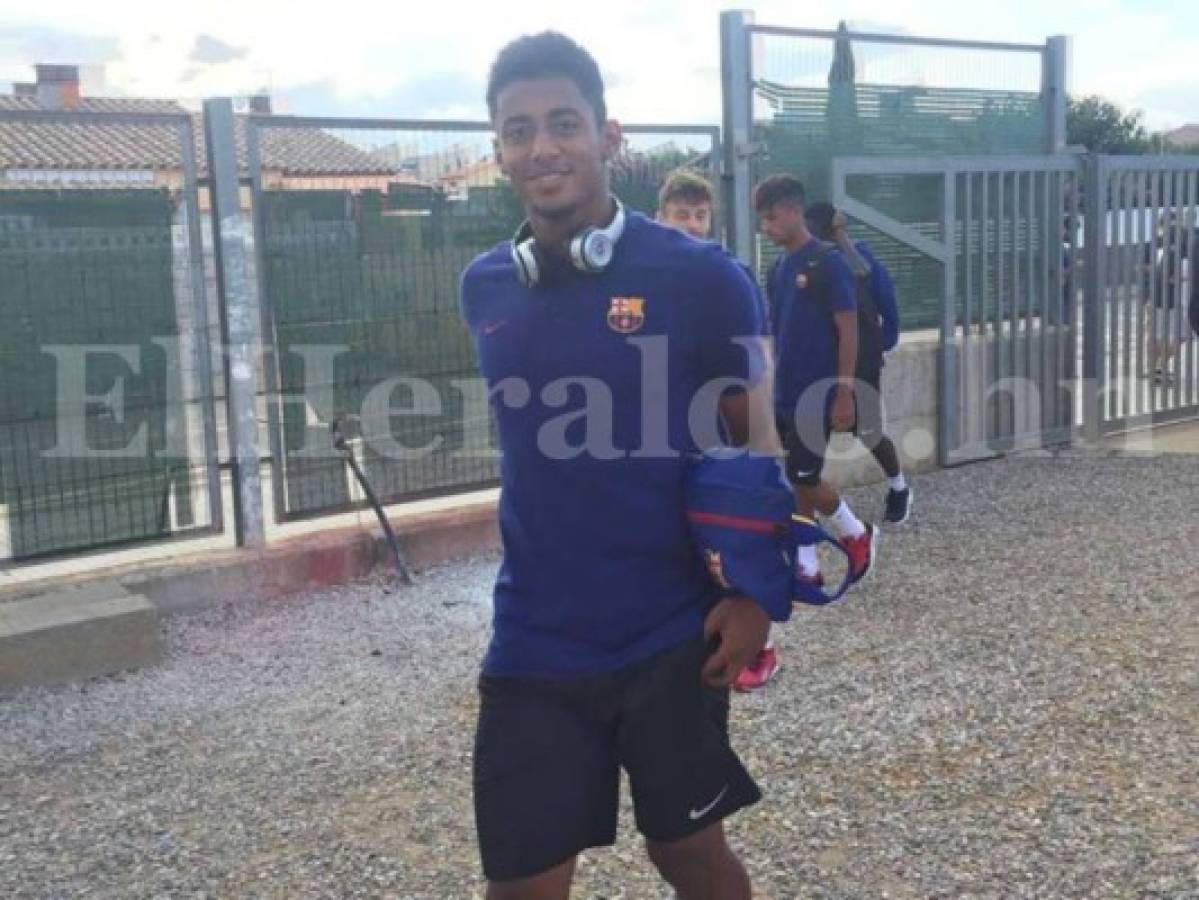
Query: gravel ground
[1010, 709]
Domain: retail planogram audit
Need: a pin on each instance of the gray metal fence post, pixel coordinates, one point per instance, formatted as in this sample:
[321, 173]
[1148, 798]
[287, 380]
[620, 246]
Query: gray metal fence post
[203, 338]
[239, 320]
[1055, 87]
[949, 426]
[1094, 296]
[735, 78]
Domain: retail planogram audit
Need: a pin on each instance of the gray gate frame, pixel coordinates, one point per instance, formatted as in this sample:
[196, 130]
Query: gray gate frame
[737, 29]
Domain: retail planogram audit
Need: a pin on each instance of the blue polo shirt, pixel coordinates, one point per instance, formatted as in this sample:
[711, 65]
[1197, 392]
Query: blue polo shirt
[599, 570]
[805, 289]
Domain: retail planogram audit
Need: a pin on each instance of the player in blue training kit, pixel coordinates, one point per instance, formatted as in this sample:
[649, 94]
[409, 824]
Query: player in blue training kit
[595, 329]
[814, 322]
[876, 298]
[685, 202]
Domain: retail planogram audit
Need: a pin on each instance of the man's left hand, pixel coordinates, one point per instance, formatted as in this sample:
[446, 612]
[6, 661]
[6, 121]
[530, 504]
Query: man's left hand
[742, 626]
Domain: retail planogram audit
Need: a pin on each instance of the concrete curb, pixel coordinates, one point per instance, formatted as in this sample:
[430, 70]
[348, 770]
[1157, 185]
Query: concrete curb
[194, 581]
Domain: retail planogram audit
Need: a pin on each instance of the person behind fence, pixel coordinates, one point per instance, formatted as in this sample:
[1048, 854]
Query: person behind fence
[686, 201]
[878, 333]
[1168, 259]
[814, 320]
[611, 646]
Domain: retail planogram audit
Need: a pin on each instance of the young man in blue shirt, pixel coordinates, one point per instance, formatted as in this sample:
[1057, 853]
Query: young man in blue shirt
[595, 329]
[686, 202]
[814, 322]
[873, 281]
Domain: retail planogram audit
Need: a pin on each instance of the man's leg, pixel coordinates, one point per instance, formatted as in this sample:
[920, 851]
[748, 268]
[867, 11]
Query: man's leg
[546, 781]
[871, 432]
[684, 775]
[885, 455]
[701, 867]
[551, 885]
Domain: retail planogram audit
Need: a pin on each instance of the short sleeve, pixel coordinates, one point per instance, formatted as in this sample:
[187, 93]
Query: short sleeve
[730, 321]
[839, 283]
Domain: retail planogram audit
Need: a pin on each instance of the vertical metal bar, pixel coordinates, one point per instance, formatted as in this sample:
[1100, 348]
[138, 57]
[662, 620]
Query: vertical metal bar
[1111, 305]
[1092, 359]
[1071, 334]
[1051, 242]
[271, 354]
[1163, 297]
[1001, 349]
[988, 414]
[1174, 335]
[1125, 280]
[1137, 334]
[1013, 304]
[949, 418]
[1056, 288]
[1191, 347]
[1030, 268]
[971, 340]
[1113, 189]
[239, 321]
[736, 81]
[203, 342]
[1155, 286]
[1055, 76]
[1020, 303]
[967, 254]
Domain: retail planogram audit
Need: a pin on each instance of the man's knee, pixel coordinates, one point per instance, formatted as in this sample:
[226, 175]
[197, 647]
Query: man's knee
[690, 858]
[553, 884]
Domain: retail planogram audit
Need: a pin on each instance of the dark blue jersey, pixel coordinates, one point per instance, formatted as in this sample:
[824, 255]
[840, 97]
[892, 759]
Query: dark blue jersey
[805, 289]
[593, 378]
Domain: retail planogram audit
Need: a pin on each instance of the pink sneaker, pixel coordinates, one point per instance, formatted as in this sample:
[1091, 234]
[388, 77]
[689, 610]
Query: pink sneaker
[756, 676]
[862, 552]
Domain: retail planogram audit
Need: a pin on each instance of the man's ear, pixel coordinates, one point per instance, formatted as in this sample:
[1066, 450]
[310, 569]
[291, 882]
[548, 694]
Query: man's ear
[612, 139]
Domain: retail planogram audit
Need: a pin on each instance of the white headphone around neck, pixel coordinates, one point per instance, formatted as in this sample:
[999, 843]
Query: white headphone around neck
[590, 250]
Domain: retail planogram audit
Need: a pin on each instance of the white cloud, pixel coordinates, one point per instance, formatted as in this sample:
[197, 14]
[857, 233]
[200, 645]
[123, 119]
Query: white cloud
[661, 56]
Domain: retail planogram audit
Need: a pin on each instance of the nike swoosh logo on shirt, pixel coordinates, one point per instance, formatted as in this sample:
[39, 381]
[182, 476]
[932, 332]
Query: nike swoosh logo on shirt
[697, 814]
[493, 327]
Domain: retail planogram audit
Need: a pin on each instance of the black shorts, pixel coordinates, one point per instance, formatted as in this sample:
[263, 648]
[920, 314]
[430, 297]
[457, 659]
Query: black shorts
[548, 755]
[806, 441]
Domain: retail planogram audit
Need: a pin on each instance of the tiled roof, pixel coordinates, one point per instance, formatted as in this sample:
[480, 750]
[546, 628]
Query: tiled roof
[123, 145]
[98, 104]
[1186, 136]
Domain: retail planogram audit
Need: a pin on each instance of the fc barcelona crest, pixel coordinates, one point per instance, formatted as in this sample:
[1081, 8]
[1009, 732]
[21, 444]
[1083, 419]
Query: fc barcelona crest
[801, 281]
[626, 314]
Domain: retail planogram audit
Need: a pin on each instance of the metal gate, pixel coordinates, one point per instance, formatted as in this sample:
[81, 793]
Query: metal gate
[1009, 350]
[1065, 287]
[1141, 242]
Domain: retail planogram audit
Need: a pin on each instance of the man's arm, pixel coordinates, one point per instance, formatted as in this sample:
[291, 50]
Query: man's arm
[846, 324]
[749, 415]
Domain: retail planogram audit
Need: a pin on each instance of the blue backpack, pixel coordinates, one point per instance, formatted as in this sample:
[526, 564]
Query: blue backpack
[741, 512]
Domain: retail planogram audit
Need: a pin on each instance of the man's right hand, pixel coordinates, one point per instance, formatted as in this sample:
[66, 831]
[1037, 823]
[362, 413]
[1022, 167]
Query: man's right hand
[842, 414]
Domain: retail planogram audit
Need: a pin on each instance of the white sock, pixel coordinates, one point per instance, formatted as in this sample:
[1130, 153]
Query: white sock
[809, 562]
[844, 523]
[898, 483]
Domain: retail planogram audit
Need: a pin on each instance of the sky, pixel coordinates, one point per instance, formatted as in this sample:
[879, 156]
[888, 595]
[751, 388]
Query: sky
[660, 58]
